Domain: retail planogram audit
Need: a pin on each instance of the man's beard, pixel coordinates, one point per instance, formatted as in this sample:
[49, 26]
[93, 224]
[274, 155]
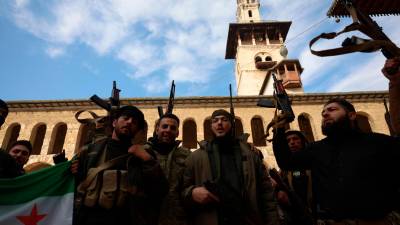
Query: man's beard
[124, 137]
[341, 126]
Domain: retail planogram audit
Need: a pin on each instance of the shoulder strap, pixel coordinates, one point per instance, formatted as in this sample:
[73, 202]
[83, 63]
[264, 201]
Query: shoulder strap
[100, 168]
[367, 46]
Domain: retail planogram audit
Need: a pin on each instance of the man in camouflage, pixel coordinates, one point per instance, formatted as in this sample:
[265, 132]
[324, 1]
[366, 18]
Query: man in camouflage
[172, 158]
[132, 186]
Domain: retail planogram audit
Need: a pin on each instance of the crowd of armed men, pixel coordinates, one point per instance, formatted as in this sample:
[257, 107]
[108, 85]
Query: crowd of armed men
[347, 178]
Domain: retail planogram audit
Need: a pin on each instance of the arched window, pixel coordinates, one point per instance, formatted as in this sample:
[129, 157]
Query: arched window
[363, 123]
[189, 135]
[11, 136]
[268, 58]
[258, 59]
[208, 135]
[57, 138]
[37, 138]
[84, 135]
[239, 127]
[257, 131]
[305, 126]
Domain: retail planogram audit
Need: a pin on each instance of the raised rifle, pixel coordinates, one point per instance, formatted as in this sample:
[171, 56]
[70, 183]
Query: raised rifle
[170, 105]
[103, 124]
[114, 100]
[232, 111]
[281, 102]
[359, 12]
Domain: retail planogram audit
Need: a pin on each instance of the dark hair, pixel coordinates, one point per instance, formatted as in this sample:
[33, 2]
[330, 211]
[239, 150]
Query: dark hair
[222, 112]
[171, 116]
[25, 143]
[299, 134]
[3, 105]
[130, 111]
[342, 102]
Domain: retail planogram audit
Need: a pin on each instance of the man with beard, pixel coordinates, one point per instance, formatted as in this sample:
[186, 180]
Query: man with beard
[8, 166]
[354, 174]
[226, 182]
[171, 157]
[119, 183]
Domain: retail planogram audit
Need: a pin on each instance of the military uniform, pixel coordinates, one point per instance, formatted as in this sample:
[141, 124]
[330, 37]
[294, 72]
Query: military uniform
[147, 186]
[172, 161]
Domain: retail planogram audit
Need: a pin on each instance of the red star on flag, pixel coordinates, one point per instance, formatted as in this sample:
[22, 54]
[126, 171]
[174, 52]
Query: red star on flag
[33, 218]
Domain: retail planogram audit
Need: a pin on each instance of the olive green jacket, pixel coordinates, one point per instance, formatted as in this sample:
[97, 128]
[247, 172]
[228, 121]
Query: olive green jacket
[258, 192]
[172, 164]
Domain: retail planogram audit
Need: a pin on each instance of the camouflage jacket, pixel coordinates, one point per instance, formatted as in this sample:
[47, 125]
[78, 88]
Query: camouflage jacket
[142, 208]
[172, 164]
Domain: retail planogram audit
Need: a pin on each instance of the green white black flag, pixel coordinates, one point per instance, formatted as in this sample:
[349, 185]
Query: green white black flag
[42, 197]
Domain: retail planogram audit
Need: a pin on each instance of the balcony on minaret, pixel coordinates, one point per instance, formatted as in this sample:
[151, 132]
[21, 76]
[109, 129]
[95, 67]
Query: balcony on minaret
[289, 71]
[264, 62]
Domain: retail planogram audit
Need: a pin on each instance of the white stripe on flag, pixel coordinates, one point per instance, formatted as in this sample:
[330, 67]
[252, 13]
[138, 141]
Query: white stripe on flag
[55, 210]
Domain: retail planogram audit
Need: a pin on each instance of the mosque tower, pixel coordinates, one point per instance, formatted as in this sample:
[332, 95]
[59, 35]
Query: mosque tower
[259, 49]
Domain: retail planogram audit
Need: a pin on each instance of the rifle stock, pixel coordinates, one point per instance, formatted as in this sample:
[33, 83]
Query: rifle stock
[266, 103]
[114, 100]
[100, 102]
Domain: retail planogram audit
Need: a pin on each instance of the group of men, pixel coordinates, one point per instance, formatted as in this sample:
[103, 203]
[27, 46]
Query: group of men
[354, 175]
[163, 183]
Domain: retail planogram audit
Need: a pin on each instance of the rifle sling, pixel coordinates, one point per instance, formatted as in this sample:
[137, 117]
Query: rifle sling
[369, 46]
[87, 121]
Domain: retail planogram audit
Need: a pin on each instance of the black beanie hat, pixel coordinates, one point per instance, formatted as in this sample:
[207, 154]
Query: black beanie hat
[221, 112]
[131, 111]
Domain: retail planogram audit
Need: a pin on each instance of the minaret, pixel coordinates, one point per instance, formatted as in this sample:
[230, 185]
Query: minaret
[248, 11]
[258, 47]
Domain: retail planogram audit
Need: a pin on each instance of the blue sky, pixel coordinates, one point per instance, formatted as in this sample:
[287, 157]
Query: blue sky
[71, 49]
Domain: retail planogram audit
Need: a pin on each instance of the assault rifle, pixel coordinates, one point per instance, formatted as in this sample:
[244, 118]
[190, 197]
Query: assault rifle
[114, 100]
[359, 12]
[170, 105]
[281, 102]
[232, 111]
[299, 208]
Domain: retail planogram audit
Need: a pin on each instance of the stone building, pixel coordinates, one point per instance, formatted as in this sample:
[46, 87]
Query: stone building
[258, 49]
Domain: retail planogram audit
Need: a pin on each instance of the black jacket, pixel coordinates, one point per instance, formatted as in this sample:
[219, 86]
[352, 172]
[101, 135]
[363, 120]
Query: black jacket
[355, 175]
[8, 166]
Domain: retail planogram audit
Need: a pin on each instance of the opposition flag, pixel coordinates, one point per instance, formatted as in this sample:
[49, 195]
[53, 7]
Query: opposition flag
[38, 198]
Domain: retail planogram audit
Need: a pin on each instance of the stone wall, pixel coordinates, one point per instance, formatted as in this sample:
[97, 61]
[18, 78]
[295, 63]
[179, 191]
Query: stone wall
[30, 113]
